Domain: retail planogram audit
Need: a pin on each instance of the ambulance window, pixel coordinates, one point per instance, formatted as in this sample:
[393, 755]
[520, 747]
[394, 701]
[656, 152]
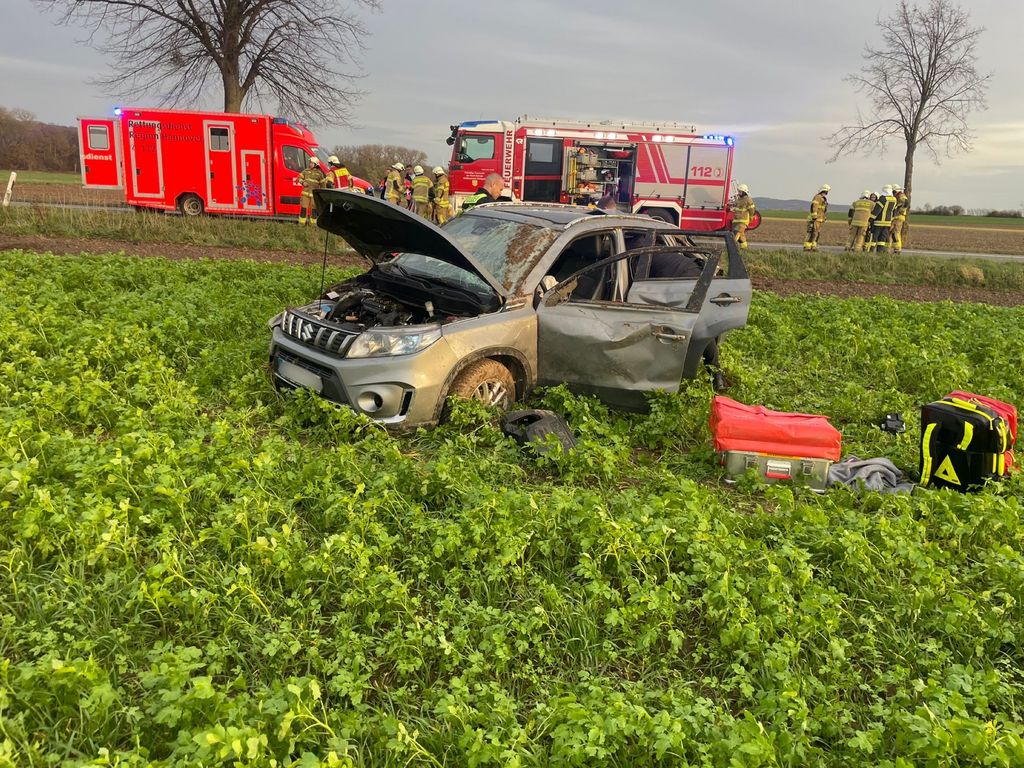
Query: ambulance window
[476, 148]
[99, 137]
[219, 140]
[543, 157]
[294, 158]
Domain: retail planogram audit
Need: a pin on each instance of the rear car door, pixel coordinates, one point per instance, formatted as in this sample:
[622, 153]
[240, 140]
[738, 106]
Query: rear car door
[725, 305]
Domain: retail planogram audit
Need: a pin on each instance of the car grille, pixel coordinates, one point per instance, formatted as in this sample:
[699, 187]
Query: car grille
[315, 334]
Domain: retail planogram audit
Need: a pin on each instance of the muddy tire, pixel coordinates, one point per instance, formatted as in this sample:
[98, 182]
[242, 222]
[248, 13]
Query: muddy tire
[190, 205]
[488, 381]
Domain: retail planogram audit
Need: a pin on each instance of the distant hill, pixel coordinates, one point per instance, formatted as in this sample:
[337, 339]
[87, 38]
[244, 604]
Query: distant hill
[774, 204]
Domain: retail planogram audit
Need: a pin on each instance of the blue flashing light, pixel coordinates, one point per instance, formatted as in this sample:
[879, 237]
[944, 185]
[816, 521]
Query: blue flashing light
[718, 137]
[728, 141]
[117, 111]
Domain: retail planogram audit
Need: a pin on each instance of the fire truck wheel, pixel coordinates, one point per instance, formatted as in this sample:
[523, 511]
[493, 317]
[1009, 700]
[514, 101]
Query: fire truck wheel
[660, 213]
[755, 221]
[190, 205]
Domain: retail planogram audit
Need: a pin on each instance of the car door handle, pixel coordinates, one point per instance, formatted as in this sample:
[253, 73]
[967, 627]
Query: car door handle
[665, 334]
[724, 298]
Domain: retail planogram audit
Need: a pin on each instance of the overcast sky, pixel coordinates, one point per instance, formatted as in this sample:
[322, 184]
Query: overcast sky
[769, 73]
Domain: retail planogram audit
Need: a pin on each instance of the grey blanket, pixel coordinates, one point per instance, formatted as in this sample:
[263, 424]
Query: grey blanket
[878, 474]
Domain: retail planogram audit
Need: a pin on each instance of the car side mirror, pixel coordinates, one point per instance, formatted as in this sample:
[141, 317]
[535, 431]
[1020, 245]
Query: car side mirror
[560, 293]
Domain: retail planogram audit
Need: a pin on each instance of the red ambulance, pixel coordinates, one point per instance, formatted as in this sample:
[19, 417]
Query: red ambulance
[664, 170]
[198, 162]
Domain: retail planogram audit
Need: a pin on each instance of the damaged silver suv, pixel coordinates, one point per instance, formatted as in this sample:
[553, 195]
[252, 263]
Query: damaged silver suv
[505, 297]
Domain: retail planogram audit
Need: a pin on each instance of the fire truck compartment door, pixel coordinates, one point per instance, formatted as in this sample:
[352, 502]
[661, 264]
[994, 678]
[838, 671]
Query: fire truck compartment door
[145, 154]
[99, 153]
[221, 170]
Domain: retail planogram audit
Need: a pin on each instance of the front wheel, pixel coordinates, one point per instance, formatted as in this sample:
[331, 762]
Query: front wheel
[488, 381]
[190, 205]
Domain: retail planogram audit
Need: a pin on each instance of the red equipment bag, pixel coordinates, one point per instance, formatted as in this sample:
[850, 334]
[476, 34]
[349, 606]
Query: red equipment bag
[739, 427]
[1007, 411]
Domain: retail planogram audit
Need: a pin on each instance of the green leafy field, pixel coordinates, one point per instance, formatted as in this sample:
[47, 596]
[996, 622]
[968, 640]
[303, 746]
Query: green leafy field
[196, 572]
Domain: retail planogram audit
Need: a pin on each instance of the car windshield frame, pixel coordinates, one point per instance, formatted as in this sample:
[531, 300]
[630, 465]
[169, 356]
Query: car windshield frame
[508, 248]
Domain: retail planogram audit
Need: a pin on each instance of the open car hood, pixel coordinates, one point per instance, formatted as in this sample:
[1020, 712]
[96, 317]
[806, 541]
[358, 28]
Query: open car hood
[376, 229]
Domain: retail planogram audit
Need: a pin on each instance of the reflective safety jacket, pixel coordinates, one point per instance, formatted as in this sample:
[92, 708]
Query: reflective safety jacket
[312, 178]
[342, 179]
[421, 187]
[743, 208]
[395, 186]
[441, 188]
[860, 212]
[819, 207]
[902, 207]
[480, 196]
[883, 209]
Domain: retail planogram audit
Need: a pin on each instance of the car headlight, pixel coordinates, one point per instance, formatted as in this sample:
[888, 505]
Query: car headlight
[388, 343]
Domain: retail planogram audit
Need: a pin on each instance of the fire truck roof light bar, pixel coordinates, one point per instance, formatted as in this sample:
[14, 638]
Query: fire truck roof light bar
[621, 125]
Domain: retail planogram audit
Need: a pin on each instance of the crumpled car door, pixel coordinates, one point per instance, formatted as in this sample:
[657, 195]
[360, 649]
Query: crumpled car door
[617, 350]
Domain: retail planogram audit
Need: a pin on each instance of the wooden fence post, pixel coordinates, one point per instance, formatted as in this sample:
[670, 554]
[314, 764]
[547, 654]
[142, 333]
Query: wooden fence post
[10, 188]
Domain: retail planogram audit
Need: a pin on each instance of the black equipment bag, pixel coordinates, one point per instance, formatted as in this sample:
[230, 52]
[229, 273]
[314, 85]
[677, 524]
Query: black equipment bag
[963, 444]
[533, 425]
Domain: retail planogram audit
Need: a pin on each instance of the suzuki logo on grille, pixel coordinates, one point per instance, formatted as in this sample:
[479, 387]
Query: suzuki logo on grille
[305, 331]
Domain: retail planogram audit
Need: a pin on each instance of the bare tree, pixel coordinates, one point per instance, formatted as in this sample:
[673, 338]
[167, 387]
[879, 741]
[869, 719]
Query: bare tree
[372, 161]
[291, 53]
[922, 82]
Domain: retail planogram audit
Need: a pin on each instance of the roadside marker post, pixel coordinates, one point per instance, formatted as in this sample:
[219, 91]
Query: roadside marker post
[10, 188]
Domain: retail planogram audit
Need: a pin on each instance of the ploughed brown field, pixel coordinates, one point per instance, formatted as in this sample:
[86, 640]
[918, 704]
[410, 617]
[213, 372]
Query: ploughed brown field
[923, 236]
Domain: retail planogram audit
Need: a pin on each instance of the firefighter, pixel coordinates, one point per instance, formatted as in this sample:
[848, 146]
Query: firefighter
[311, 178]
[819, 209]
[488, 193]
[882, 215]
[339, 176]
[441, 202]
[422, 190]
[859, 216]
[743, 208]
[395, 187]
[899, 218]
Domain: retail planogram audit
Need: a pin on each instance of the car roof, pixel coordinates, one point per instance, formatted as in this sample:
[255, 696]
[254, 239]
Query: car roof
[557, 216]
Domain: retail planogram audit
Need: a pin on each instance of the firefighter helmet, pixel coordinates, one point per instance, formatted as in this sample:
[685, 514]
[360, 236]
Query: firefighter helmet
[887, 189]
[825, 188]
[398, 166]
[438, 170]
[313, 160]
[866, 193]
[897, 188]
[333, 160]
[743, 188]
[418, 170]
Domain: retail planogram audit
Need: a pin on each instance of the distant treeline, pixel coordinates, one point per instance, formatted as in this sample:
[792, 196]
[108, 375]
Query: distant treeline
[29, 145]
[959, 210]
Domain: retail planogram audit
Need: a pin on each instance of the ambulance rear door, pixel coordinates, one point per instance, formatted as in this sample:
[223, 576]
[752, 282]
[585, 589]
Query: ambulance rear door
[99, 153]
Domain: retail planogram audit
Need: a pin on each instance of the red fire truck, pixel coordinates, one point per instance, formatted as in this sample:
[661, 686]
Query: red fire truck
[195, 162]
[665, 170]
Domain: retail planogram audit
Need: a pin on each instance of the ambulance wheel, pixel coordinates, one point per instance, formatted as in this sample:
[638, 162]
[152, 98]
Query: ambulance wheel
[660, 213]
[190, 205]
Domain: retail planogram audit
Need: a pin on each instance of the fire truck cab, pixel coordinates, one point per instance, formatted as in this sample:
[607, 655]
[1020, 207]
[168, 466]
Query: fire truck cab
[664, 170]
[198, 162]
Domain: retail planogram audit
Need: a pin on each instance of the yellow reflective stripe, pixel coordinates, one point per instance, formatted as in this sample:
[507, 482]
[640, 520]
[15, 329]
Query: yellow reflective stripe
[926, 454]
[1002, 464]
[968, 435]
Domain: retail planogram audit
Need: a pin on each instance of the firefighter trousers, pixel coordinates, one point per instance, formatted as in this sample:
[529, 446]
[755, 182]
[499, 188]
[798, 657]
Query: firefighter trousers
[879, 238]
[856, 241]
[740, 230]
[896, 234]
[394, 199]
[307, 207]
[422, 209]
[441, 213]
[813, 230]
